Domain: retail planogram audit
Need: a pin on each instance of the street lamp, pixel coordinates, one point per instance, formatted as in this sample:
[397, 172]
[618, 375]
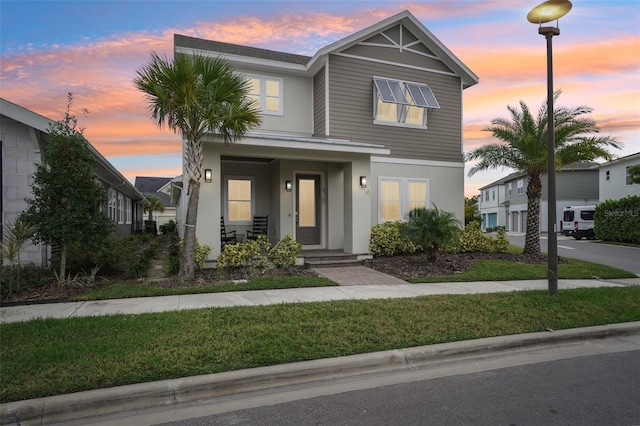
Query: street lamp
[548, 11]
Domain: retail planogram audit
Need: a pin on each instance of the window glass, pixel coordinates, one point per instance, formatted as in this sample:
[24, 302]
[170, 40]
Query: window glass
[239, 200]
[307, 203]
[266, 92]
[390, 200]
[417, 195]
[415, 115]
[587, 214]
[387, 111]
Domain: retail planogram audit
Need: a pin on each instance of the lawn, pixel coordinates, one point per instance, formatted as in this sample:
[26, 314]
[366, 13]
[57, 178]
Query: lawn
[49, 357]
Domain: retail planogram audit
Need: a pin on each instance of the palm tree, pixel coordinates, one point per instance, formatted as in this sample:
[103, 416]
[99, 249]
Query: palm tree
[431, 229]
[196, 95]
[155, 205]
[524, 148]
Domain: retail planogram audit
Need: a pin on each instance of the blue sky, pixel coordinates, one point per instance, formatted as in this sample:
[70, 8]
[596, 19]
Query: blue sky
[92, 48]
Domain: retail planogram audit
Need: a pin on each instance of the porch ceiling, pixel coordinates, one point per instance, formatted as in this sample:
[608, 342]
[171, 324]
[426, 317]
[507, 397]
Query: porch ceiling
[312, 143]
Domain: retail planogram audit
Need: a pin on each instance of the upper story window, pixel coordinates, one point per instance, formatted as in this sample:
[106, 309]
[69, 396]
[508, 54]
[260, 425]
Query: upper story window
[607, 175]
[520, 184]
[267, 92]
[486, 195]
[493, 195]
[401, 103]
[509, 187]
[629, 176]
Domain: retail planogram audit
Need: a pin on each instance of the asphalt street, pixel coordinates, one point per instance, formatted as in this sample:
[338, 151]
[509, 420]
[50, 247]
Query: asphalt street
[623, 257]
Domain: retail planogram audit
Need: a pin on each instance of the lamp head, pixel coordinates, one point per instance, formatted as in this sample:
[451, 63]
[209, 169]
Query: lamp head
[548, 11]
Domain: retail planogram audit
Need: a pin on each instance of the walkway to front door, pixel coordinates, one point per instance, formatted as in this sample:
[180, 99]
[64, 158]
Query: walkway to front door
[357, 275]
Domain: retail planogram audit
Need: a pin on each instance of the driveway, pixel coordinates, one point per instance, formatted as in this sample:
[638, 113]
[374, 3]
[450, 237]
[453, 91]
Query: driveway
[623, 257]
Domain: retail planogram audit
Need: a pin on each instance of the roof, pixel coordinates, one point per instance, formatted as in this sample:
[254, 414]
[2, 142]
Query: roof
[105, 170]
[515, 175]
[152, 186]
[310, 65]
[624, 159]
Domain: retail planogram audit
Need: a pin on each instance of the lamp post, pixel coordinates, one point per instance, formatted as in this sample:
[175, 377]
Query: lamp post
[548, 11]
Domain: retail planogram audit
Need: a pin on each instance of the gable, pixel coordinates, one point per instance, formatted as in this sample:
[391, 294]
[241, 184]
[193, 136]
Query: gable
[397, 45]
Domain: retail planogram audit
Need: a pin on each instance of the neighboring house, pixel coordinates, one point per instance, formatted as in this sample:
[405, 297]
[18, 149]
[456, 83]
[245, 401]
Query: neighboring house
[161, 188]
[365, 130]
[615, 179]
[577, 186]
[491, 202]
[23, 136]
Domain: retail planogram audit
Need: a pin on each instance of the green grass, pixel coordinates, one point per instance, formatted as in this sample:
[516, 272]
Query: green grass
[49, 357]
[122, 291]
[503, 270]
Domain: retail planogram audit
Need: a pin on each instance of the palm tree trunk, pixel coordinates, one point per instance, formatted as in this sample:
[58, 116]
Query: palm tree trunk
[63, 263]
[188, 263]
[534, 193]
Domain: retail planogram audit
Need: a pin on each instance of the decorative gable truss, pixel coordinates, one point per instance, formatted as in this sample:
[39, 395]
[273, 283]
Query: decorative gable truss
[398, 102]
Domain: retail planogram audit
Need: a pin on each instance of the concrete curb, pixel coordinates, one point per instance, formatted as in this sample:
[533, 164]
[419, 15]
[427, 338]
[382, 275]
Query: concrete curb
[101, 402]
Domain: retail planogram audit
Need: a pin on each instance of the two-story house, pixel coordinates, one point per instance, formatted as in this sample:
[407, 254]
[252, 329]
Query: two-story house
[576, 185]
[492, 202]
[23, 138]
[615, 178]
[358, 134]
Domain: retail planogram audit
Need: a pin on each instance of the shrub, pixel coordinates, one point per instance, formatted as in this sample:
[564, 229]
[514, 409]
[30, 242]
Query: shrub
[618, 220]
[470, 240]
[258, 254]
[16, 278]
[283, 254]
[500, 244]
[431, 229]
[387, 240]
[169, 227]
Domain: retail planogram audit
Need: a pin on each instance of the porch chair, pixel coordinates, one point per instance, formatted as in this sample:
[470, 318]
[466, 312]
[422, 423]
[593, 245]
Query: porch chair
[226, 237]
[260, 226]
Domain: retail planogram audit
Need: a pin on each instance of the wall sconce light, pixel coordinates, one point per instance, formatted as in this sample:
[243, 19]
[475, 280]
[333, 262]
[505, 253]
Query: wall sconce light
[363, 181]
[287, 185]
[207, 175]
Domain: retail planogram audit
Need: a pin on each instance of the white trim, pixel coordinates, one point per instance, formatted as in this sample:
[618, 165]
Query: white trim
[326, 99]
[380, 61]
[240, 59]
[412, 162]
[323, 207]
[308, 143]
[262, 93]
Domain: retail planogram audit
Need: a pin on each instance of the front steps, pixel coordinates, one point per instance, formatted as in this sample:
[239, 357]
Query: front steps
[331, 258]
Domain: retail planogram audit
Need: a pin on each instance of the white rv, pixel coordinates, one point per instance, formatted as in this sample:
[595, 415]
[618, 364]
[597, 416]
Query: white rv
[577, 221]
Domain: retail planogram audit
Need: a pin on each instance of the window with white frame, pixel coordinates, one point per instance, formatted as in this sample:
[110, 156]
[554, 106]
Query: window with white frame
[120, 208]
[402, 103]
[629, 176]
[520, 186]
[493, 194]
[112, 205]
[607, 175]
[267, 93]
[398, 196]
[509, 187]
[240, 199]
[486, 195]
[128, 211]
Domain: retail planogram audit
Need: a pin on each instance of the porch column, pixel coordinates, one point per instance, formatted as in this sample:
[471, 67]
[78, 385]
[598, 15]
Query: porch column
[209, 207]
[357, 206]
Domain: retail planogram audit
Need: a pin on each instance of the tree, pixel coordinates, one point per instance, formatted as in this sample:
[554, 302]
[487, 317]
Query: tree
[524, 148]
[635, 173]
[431, 229]
[66, 204]
[155, 205]
[471, 209]
[196, 95]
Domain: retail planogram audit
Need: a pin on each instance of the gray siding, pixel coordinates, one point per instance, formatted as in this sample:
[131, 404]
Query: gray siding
[351, 110]
[574, 185]
[319, 103]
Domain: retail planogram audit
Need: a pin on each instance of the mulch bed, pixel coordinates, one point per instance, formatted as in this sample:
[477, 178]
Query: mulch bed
[403, 267]
[417, 265]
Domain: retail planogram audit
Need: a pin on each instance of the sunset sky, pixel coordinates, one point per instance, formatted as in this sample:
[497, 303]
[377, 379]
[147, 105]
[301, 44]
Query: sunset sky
[92, 49]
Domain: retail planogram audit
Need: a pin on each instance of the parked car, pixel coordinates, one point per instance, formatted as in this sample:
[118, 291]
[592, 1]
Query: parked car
[577, 221]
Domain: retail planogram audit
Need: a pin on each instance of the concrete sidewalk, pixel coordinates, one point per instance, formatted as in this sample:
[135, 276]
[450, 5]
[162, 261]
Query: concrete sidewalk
[297, 295]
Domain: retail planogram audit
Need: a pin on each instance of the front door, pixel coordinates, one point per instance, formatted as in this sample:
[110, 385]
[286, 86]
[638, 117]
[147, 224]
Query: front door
[308, 218]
